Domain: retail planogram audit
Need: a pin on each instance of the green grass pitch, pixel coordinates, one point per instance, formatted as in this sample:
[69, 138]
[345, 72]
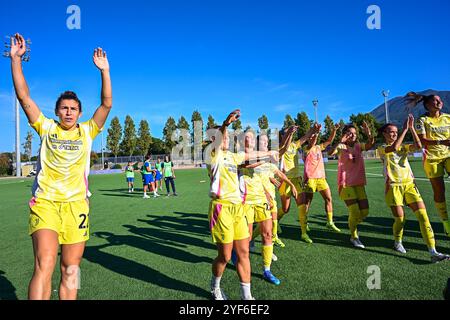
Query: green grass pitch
[161, 248]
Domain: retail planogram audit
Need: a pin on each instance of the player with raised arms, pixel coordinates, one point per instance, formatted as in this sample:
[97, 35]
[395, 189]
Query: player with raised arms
[259, 201]
[400, 188]
[59, 208]
[227, 223]
[314, 180]
[290, 166]
[433, 129]
[352, 176]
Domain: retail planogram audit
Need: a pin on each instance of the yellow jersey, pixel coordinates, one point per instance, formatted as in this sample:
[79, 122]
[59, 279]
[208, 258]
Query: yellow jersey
[64, 160]
[396, 168]
[435, 129]
[290, 161]
[252, 187]
[224, 176]
[256, 182]
[267, 171]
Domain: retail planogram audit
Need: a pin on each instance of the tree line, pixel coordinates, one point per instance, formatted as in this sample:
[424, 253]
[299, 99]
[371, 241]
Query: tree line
[128, 142]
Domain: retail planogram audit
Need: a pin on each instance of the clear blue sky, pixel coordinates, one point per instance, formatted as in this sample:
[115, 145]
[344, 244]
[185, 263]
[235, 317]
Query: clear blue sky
[273, 57]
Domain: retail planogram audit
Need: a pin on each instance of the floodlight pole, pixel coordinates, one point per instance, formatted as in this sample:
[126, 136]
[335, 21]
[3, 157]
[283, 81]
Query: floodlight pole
[385, 94]
[25, 58]
[315, 104]
[103, 156]
[18, 162]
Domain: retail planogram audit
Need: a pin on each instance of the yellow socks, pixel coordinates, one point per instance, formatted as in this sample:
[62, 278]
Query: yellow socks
[354, 215]
[330, 217]
[442, 210]
[364, 214]
[446, 227]
[425, 228]
[399, 224]
[302, 217]
[267, 252]
[275, 228]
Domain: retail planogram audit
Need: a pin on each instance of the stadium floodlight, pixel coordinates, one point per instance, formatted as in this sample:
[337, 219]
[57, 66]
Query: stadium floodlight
[25, 58]
[103, 154]
[385, 94]
[315, 104]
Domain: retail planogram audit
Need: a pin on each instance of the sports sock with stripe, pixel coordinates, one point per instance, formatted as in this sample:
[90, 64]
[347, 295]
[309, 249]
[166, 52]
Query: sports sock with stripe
[353, 219]
[425, 228]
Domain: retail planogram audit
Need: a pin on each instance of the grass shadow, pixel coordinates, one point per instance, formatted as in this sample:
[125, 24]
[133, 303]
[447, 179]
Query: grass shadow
[135, 270]
[342, 240]
[184, 224]
[147, 241]
[7, 289]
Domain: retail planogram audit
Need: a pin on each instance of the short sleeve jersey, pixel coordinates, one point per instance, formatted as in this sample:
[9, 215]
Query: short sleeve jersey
[435, 129]
[290, 161]
[224, 176]
[265, 172]
[396, 168]
[64, 160]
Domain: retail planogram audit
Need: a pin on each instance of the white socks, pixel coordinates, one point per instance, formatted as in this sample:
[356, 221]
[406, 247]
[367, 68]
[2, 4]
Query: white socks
[245, 291]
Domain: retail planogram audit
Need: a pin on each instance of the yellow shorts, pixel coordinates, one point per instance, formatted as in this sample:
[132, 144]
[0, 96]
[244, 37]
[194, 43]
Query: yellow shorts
[285, 189]
[257, 213]
[316, 185]
[69, 219]
[353, 193]
[227, 222]
[396, 196]
[436, 168]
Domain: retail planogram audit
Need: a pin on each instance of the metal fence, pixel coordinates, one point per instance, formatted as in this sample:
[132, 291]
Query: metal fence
[109, 162]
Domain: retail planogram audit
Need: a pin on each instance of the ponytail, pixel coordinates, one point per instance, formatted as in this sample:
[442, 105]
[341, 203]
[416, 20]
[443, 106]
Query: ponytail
[413, 99]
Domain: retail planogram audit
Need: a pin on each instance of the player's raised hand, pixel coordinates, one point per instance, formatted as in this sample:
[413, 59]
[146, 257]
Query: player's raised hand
[18, 47]
[316, 128]
[410, 121]
[100, 59]
[366, 129]
[292, 129]
[345, 138]
[232, 117]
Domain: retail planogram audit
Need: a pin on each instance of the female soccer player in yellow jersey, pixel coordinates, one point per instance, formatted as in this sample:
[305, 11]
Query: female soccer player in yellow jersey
[227, 222]
[290, 166]
[433, 129]
[314, 180]
[268, 171]
[59, 209]
[257, 207]
[400, 187]
[352, 177]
